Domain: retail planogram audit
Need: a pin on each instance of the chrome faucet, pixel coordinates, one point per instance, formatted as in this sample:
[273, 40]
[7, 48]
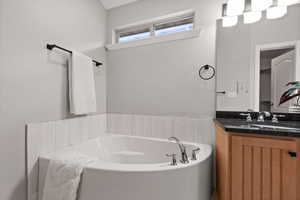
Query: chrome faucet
[262, 115]
[184, 157]
[275, 118]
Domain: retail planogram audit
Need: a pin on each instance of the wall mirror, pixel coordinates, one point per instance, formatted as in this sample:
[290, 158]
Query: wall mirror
[255, 61]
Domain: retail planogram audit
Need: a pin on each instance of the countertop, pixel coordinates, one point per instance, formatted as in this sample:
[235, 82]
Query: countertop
[241, 126]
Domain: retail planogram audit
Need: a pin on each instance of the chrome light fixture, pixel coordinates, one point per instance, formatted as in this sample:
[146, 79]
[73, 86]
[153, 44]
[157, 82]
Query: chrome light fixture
[235, 7]
[276, 10]
[251, 15]
[252, 10]
[228, 21]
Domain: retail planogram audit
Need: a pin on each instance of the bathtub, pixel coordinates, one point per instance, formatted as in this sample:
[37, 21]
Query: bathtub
[136, 168]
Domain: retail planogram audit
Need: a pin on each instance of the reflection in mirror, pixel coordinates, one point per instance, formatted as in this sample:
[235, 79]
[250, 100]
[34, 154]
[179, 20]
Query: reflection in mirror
[277, 68]
[256, 61]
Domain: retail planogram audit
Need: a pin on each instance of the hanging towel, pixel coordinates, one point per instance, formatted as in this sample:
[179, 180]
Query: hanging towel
[82, 94]
[63, 177]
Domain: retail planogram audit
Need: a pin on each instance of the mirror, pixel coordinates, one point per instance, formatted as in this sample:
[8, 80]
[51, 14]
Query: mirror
[255, 62]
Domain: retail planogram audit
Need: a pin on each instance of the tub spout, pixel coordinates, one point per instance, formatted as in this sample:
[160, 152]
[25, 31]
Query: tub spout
[184, 157]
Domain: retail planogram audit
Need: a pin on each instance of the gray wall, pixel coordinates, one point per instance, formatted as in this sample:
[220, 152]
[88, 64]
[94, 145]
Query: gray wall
[33, 82]
[162, 79]
[236, 53]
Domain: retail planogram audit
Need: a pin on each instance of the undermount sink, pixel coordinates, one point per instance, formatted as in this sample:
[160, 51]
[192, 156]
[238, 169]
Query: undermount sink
[273, 127]
[262, 126]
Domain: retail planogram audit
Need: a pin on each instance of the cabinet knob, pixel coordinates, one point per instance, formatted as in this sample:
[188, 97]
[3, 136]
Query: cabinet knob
[292, 154]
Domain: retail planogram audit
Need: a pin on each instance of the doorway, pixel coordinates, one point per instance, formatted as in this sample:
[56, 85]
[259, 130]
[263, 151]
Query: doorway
[277, 68]
[276, 65]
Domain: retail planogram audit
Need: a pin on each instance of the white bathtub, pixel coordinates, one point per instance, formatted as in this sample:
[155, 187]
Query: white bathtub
[136, 168]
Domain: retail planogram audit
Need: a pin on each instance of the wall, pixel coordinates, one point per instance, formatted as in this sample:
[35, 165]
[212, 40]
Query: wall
[162, 79]
[33, 81]
[236, 53]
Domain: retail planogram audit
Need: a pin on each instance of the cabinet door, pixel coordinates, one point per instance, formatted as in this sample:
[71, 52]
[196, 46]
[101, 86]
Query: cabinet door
[223, 164]
[263, 169]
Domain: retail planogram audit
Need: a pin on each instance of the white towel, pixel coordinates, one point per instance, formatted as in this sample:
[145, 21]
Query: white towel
[63, 177]
[82, 92]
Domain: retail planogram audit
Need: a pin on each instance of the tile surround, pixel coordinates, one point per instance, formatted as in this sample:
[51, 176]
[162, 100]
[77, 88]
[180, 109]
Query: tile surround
[52, 136]
[47, 137]
[199, 130]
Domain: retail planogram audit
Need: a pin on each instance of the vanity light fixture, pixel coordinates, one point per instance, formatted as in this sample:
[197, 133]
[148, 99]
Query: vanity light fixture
[287, 2]
[235, 7]
[276, 10]
[251, 15]
[252, 10]
[228, 21]
[260, 5]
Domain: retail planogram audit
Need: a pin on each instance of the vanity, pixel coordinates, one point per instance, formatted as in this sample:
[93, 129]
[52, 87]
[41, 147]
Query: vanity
[257, 160]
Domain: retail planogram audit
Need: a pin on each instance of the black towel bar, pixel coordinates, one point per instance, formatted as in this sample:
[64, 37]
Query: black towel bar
[52, 46]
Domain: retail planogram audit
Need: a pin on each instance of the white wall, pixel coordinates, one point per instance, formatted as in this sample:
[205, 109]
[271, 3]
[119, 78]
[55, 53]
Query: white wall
[33, 82]
[236, 53]
[162, 79]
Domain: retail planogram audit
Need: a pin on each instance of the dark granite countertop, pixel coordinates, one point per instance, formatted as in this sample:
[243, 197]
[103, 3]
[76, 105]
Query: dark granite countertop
[241, 126]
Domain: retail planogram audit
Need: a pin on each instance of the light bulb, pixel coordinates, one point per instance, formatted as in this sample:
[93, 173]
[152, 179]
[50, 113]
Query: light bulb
[235, 7]
[287, 2]
[229, 21]
[252, 17]
[275, 12]
[260, 5]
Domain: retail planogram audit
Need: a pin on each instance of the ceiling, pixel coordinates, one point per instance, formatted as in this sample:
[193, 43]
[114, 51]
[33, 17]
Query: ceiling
[108, 4]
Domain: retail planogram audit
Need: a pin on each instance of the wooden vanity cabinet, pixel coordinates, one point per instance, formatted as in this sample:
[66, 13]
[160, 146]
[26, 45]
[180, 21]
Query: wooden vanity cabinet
[257, 167]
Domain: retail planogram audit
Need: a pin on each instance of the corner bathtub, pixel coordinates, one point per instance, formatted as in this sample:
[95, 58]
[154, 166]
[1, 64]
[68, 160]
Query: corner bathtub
[136, 168]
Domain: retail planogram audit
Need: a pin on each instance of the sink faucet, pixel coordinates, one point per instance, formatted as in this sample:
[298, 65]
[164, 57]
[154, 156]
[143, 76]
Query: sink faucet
[184, 157]
[262, 115]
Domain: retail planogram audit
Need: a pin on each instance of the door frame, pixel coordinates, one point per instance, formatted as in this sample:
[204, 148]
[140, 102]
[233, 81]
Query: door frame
[255, 79]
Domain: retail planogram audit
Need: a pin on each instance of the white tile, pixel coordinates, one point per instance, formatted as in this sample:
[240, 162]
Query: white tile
[162, 127]
[85, 128]
[33, 143]
[93, 123]
[142, 125]
[102, 124]
[74, 128]
[34, 146]
[194, 129]
[201, 130]
[61, 134]
[47, 138]
[120, 124]
[181, 129]
[97, 125]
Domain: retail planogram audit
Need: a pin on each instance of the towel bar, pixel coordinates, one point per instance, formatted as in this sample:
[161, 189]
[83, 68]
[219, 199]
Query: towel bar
[52, 46]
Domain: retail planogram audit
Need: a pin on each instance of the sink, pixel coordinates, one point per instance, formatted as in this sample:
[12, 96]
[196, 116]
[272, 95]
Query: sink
[266, 127]
[261, 126]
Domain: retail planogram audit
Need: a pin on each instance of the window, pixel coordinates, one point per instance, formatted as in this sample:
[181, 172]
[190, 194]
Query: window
[134, 35]
[175, 26]
[181, 23]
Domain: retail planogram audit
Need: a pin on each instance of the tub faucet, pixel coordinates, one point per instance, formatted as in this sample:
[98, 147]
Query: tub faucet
[184, 157]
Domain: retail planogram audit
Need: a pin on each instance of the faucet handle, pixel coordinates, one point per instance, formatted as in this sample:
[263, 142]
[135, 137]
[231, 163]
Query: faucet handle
[194, 155]
[248, 115]
[174, 160]
[275, 118]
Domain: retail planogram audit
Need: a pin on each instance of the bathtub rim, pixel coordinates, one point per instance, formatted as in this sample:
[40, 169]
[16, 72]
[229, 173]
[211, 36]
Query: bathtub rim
[156, 167]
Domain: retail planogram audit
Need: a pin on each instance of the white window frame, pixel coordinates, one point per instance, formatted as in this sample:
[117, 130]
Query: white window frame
[153, 38]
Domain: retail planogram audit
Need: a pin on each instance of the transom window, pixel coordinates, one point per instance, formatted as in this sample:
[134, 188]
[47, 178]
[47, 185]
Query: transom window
[156, 28]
